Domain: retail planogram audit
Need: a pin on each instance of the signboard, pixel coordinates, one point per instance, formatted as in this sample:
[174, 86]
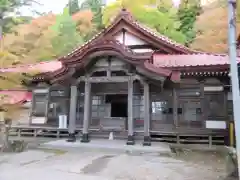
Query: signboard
[61, 93]
[210, 124]
[62, 122]
[39, 120]
[213, 88]
[189, 93]
[1, 117]
[40, 91]
[229, 96]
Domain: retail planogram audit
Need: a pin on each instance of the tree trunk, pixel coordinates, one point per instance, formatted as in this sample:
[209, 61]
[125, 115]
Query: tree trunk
[6, 145]
[1, 28]
[1, 32]
[5, 137]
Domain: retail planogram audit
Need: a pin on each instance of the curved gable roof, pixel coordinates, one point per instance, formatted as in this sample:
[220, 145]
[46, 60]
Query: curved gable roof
[126, 17]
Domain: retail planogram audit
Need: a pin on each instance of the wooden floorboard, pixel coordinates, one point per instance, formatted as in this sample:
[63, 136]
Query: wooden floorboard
[173, 131]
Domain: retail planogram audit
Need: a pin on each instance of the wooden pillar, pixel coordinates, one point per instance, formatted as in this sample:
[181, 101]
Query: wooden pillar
[147, 139]
[72, 114]
[130, 140]
[86, 117]
[175, 107]
[202, 102]
[225, 104]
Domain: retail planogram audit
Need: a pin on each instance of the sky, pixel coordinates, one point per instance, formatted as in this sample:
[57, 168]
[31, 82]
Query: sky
[56, 6]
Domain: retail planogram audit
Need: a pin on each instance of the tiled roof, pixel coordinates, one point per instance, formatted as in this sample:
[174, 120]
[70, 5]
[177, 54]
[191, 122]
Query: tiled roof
[190, 60]
[161, 37]
[39, 67]
[16, 96]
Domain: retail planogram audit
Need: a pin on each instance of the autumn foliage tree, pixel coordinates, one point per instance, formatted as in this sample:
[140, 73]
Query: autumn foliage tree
[31, 42]
[95, 6]
[9, 110]
[212, 28]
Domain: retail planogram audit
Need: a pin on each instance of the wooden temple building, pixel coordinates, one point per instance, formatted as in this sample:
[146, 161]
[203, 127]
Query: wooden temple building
[135, 83]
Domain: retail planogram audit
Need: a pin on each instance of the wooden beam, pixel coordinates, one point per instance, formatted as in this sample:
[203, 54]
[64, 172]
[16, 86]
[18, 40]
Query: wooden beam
[142, 46]
[150, 74]
[112, 68]
[109, 67]
[117, 79]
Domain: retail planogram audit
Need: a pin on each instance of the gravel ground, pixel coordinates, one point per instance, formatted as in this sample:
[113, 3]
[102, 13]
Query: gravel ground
[50, 164]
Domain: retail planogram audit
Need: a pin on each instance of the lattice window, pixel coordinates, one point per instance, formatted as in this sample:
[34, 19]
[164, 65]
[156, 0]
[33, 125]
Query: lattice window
[189, 110]
[98, 106]
[39, 105]
[160, 110]
[214, 105]
[138, 107]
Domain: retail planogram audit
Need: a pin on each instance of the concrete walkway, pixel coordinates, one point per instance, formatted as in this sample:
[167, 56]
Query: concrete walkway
[110, 145]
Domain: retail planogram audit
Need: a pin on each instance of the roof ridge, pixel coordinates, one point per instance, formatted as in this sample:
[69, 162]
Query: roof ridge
[161, 36]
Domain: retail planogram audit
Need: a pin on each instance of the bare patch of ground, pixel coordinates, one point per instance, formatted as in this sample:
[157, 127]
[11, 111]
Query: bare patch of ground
[97, 165]
[213, 162]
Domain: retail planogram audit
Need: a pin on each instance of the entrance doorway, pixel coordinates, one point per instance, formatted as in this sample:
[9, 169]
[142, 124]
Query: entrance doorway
[190, 113]
[118, 105]
[118, 109]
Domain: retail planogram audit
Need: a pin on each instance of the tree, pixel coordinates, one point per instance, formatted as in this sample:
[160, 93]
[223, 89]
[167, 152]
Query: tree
[96, 7]
[187, 15]
[212, 28]
[66, 35]
[154, 16]
[85, 25]
[73, 6]
[10, 110]
[8, 7]
[32, 42]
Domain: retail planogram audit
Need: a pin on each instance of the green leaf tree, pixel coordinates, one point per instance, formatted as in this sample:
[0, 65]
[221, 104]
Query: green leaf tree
[73, 6]
[66, 35]
[160, 16]
[187, 15]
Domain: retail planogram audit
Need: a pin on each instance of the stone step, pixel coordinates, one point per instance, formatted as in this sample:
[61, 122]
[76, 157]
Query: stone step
[116, 135]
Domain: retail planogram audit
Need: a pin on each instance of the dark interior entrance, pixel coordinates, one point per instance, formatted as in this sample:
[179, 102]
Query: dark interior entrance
[118, 109]
[118, 105]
